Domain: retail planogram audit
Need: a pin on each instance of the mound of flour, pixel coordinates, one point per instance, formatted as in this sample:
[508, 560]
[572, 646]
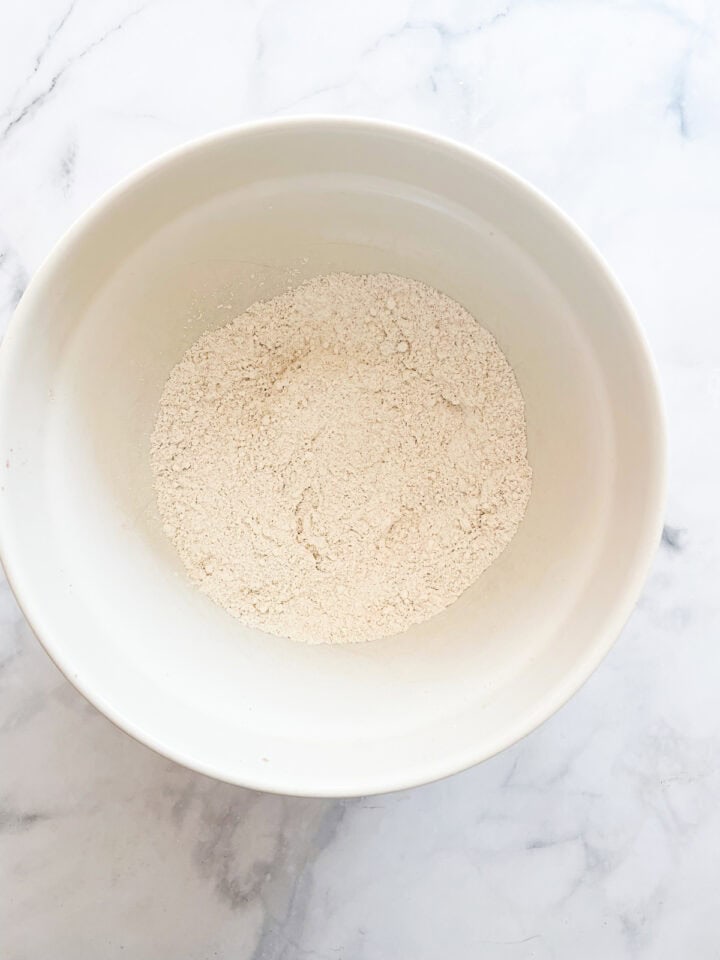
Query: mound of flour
[341, 461]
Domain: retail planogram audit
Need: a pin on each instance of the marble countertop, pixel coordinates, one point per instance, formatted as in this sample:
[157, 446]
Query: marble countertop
[599, 835]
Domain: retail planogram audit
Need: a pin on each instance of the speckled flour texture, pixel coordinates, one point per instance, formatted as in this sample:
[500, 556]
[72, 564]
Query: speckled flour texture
[342, 461]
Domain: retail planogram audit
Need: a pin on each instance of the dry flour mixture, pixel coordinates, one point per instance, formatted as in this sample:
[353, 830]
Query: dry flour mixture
[342, 461]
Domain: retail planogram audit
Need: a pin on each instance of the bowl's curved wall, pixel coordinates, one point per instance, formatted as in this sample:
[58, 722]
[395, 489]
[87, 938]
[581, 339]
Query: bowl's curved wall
[185, 245]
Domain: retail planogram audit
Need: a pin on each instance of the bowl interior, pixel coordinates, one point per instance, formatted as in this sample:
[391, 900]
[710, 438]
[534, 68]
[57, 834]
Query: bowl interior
[185, 246]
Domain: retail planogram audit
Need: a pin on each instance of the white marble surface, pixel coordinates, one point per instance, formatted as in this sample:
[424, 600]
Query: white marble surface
[599, 835]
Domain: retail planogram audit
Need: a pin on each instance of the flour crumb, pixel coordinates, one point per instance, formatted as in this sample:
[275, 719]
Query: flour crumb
[332, 478]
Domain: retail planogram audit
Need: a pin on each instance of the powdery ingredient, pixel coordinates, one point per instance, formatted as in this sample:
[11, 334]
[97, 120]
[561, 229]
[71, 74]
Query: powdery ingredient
[342, 461]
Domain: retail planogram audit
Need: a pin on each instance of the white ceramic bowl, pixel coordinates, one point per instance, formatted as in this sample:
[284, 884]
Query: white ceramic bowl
[184, 245]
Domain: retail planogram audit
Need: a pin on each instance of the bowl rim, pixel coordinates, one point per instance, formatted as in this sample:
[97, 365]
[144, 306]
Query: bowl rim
[28, 596]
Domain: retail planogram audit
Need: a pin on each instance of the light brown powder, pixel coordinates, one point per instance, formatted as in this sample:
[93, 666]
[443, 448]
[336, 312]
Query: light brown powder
[342, 461]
